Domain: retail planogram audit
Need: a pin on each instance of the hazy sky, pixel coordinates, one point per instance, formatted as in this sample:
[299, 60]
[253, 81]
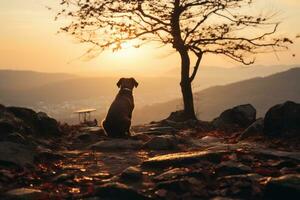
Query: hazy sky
[29, 42]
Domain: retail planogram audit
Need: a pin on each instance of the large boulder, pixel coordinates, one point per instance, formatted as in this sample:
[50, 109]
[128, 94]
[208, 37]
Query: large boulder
[241, 116]
[283, 119]
[27, 122]
[9, 123]
[40, 123]
[255, 129]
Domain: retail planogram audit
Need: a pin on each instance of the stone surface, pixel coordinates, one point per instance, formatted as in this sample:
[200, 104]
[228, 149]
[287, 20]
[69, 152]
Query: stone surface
[163, 129]
[48, 156]
[164, 142]
[116, 191]
[239, 186]
[232, 168]
[25, 194]
[183, 158]
[27, 121]
[16, 154]
[172, 174]
[210, 139]
[253, 130]
[88, 137]
[116, 144]
[283, 119]
[284, 187]
[242, 116]
[132, 173]
[63, 177]
[179, 186]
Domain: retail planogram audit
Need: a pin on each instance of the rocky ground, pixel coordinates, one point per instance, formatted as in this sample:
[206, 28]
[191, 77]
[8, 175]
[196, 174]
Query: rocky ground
[234, 157]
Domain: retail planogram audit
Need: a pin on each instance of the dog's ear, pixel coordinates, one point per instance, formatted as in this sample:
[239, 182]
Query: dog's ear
[135, 83]
[120, 82]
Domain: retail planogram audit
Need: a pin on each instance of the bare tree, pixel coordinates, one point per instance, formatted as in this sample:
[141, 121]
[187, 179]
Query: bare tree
[191, 26]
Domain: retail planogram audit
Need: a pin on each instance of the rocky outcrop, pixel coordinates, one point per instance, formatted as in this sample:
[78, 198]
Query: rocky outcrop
[160, 161]
[39, 123]
[28, 122]
[241, 116]
[24, 135]
[283, 120]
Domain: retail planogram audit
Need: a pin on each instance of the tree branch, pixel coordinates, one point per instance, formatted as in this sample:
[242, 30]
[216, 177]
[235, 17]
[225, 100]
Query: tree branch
[195, 70]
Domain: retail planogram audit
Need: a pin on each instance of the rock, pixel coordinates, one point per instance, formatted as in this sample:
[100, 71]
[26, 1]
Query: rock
[283, 119]
[241, 186]
[172, 174]
[93, 129]
[210, 139]
[141, 136]
[284, 187]
[88, 137]
[25, 194]
[16, 138]
[205, 142]
[116, 144]
[183, 158]
[232, 168]
[224, 198]
[183, 188]
[164, 142]
[10, 124]
[18, 154]
[162, 129]
[254, 129]
[27, 122]
[63, 177]
[47, 125]
[132, 173]
[277, 153]
[284, 164]
[242, 116]
[48, 156]
[116, 191]
[39, 123]
[177, 116]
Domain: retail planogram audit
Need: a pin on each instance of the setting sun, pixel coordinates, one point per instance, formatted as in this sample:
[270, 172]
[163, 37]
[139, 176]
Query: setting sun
[129, 50]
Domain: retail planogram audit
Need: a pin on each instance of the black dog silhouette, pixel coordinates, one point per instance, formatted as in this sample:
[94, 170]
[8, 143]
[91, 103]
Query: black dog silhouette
[118, 119]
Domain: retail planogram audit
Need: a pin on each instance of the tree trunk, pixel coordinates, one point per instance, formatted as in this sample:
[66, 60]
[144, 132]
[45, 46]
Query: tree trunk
[178, 44]
[186, 88]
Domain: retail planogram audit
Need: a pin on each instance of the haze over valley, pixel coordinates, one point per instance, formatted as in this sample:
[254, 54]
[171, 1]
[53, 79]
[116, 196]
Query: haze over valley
[60, 94]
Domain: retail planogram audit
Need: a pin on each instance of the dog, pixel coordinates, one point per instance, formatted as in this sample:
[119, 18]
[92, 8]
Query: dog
[118, 119]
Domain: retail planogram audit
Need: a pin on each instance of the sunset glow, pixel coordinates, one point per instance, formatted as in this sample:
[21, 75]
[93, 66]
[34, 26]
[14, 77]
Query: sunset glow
[29, 41]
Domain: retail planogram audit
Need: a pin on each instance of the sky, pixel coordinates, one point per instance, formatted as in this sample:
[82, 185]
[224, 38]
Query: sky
[29, 41]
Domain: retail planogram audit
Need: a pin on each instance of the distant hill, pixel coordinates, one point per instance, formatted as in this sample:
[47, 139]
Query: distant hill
[29, 87]
[209, 76]
[22, 80]
[262, 93]
[84, 88]
[60, 94]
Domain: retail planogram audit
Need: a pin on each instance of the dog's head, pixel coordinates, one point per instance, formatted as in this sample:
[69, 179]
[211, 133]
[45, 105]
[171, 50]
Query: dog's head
[129, 83]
